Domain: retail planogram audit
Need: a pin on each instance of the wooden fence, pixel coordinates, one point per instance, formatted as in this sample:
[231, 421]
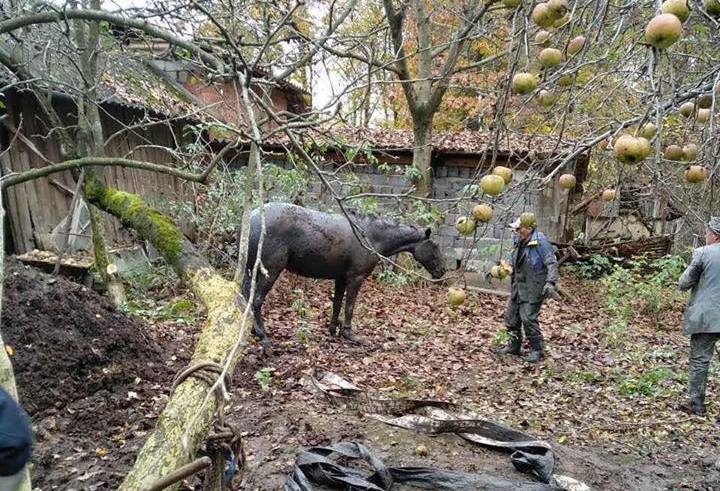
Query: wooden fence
[35, 208]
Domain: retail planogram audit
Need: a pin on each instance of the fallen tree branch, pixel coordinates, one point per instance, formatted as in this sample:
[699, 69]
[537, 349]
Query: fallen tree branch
[187, 418]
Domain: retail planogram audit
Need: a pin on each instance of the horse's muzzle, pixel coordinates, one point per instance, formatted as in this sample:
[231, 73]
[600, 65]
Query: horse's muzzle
[436, 275]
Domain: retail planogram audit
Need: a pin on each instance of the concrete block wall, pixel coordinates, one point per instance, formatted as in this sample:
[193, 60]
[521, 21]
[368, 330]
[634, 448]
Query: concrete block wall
[493, 240]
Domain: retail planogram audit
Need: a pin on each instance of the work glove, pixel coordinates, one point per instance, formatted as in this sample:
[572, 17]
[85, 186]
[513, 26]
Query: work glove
[549, 291]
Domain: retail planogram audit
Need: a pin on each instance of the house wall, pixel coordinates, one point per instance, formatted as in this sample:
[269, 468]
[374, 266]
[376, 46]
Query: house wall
[225, 101]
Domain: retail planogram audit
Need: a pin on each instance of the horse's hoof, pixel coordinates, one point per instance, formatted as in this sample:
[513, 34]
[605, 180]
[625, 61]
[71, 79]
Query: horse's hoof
[348, 335]
[266, 346]
[333, 330]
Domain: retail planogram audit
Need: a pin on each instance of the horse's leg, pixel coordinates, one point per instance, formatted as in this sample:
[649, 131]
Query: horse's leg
[263, 285]
[353, 287]
[337, 305]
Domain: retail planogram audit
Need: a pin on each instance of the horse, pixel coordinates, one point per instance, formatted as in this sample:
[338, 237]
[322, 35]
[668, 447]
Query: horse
[321, 245]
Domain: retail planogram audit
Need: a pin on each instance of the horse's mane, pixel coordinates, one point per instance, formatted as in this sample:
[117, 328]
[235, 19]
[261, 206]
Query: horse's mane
[380, 220]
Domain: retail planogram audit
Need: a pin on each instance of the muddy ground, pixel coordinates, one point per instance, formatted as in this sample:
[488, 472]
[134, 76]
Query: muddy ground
[94, 380]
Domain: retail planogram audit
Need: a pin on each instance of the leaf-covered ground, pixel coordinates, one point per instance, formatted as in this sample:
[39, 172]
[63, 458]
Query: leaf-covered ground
[609, 391]
[604, 397]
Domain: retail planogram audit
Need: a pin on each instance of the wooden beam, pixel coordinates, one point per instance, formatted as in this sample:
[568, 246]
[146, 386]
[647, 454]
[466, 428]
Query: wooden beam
[28, 143]
[62, 187]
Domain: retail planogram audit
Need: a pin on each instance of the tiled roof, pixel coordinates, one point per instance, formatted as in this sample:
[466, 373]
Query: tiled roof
[460, 142]
[125, 80]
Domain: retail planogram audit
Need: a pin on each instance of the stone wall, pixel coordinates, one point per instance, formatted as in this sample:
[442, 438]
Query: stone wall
[493, 240]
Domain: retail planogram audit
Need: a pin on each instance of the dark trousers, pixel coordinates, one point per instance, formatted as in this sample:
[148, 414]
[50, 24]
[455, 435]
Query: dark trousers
[702, 346]
[524, 315]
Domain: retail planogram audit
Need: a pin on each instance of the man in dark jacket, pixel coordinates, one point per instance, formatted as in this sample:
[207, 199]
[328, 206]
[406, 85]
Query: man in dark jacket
[534, 273]
[15, 442]
[702, 317]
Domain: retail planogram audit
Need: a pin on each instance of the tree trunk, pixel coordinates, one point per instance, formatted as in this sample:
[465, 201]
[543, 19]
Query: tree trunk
[91, 142]
[422, 157]
[188, 416]
[244, 230]
[115, 288]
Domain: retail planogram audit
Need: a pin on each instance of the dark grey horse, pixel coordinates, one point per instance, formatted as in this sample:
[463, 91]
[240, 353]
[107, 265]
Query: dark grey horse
[321, 245]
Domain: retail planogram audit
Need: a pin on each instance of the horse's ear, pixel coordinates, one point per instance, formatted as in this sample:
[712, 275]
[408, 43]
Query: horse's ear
[427, 233]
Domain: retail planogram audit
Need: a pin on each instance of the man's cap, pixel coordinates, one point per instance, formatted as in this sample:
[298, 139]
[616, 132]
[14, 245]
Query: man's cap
[527, 219]
[714, 224]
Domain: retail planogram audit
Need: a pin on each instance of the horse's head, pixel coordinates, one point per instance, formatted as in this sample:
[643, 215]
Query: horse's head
[428, 253]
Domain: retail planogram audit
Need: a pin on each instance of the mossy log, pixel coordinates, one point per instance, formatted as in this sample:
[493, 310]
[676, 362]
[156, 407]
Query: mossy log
[163, 451]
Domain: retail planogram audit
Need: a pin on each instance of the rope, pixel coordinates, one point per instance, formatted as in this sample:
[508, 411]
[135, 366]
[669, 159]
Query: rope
[224, 446]
[206, 371]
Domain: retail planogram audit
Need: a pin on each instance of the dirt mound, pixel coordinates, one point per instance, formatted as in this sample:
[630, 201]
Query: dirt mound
[68, 341]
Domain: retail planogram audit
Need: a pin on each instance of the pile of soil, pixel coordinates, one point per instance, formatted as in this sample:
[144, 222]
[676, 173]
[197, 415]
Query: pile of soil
[93, 379]
[68, 342]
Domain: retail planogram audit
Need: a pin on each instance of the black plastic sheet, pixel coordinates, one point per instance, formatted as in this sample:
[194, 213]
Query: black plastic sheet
[318, 469]
[529, 455]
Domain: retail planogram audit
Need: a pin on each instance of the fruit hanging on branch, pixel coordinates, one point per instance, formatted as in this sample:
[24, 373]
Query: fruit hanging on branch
[608, 195]
[678, 8]
[567, 181]
[663, 31]
[465, 225]
[456, 296]
[492, 184]
[703, 115]
[695, 174]
[687, 109]
[499, 273]
[550, 57]
[482, 212]
[524, 83]
[542, 37]
[648, 130]
[712, 7]
[575, 45]
[546, 98]
[505, 172]
[629, 149]
[542, 15]
[690, 152]
[674, 153]
[528, 220]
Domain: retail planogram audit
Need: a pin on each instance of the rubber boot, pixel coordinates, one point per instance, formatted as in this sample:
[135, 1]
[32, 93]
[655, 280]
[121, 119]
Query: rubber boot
[512, 348]
[694, 406]
[536, 353]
